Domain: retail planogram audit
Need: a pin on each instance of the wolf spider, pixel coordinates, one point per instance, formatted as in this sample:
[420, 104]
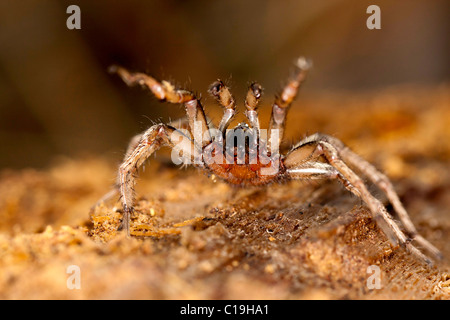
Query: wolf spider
[318, 156]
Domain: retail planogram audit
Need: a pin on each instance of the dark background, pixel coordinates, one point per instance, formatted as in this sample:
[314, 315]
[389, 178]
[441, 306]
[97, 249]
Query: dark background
[56, 97]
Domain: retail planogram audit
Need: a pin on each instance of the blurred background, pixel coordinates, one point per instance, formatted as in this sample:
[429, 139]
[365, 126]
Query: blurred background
[56, 97]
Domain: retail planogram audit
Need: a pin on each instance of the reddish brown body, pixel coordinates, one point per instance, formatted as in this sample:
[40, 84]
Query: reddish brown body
[255, 174]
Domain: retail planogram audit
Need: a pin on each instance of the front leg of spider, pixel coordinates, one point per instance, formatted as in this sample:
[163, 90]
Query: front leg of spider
[150, 141]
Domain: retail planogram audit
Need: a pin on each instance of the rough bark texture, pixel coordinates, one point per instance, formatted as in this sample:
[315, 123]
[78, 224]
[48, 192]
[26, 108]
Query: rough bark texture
[200, 239]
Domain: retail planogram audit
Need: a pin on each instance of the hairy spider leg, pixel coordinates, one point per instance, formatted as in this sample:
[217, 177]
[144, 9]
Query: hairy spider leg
[151, 140]
[305, 158]
[382, 182]
[379, 212]
[180, 124]
[337, 154]
[318, 170]
[284, 100]
[251, 105]
[115, 190]
[224, 97]
[164, 91]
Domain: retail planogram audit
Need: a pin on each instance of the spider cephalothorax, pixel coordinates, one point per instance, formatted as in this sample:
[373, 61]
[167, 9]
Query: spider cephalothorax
[249, 155]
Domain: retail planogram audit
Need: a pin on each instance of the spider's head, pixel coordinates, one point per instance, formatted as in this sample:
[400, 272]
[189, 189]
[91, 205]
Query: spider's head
[240, 140]
[242, 126]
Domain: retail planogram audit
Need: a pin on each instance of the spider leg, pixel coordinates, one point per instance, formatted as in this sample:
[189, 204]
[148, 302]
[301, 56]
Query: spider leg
[180, 124]
[224, 97]
[284, 100]
[303, 162]
[115, 189]
[382, 182]
[313, 148]
[376, 207]
[166, 92]
[151, 140]
[251, 104]
[318, 170]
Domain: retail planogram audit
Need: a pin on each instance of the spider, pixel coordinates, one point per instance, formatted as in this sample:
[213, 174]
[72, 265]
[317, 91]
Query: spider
[318, 156]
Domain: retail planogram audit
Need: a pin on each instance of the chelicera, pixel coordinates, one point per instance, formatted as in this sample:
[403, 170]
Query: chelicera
[254, 159]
